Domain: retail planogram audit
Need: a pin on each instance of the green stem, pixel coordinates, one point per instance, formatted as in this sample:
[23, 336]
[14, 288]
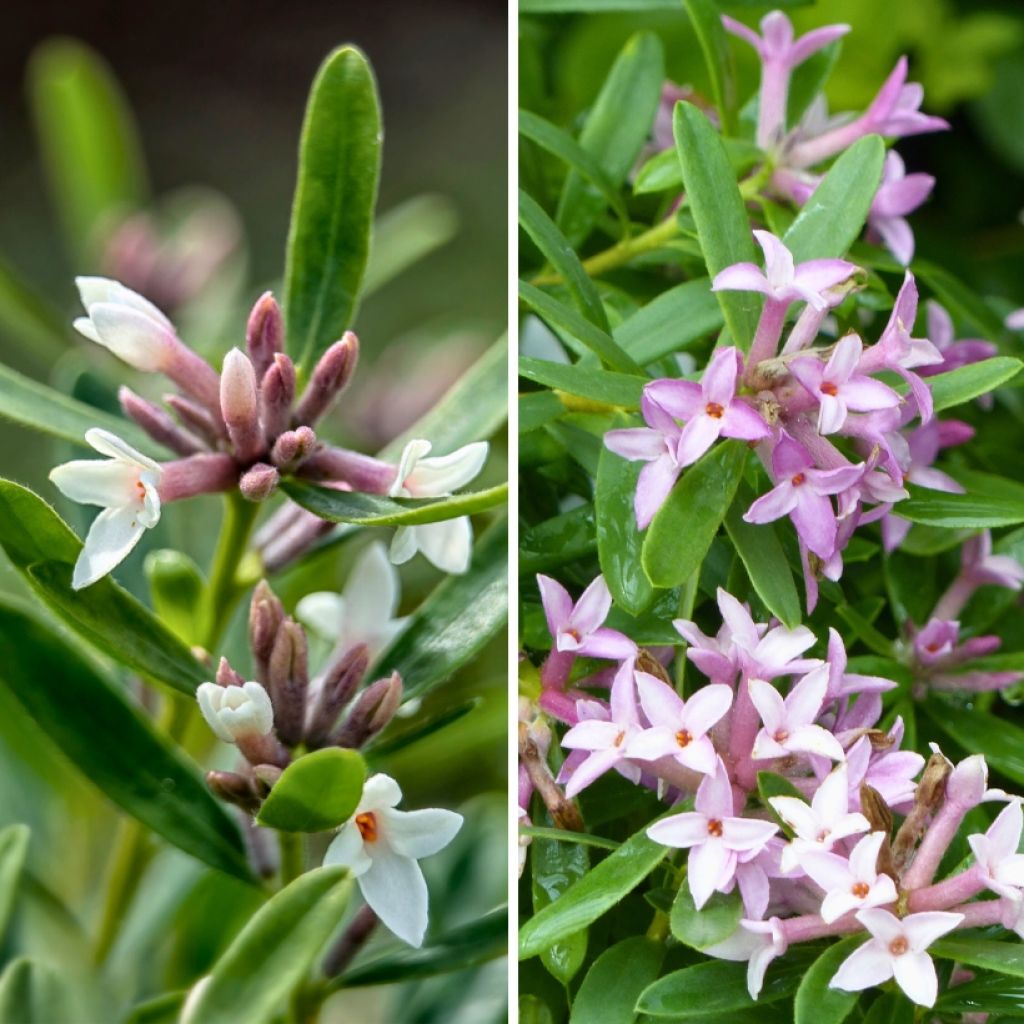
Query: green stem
[291, 856]
[130, 857]
[224, 588]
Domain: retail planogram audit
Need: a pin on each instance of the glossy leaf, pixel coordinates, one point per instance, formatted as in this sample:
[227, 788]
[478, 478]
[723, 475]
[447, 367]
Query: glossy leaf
[455, 621]
[32, 992]
[114, 746]
[815, 1002]
[176, 586]
[554, 866]
[830, 221]
[424, 728]
[13, 849]
[961, 511]
[275, 950]
[672, 322]
[332, 212]
[715, 921]
[44, 549]
[967, 382]
[594, 894]
[985, 954]
[722, 225]
[615, 980]
[979, 732]
[316, 792]
[706, 19]
[621, 389]
[684, 527]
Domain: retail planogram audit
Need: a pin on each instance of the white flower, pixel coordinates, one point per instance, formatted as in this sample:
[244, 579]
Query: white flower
[125, 487]
[381, 846]
[125, 323]
[234, 712]
[447, 544]
[364, 612]
[852, 883]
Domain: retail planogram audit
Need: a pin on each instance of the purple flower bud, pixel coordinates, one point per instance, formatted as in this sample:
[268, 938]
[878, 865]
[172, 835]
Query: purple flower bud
[259, 482]
[158, 424]
[205, 473]
[266, 615]
[288, 679]
[373, 710]
[264, 334]
[340, 682]
[277, 393]
[267, 774]
[227, 676]
[330, 377]
[292, 448]
[260, 750]
[197, 419]
[234, 789]
[360, 472]
[239, 405]
[295, 539]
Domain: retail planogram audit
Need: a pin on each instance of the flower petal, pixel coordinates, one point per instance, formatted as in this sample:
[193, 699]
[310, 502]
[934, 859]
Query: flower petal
[396, 892]
[915, 974]
[347, 851]
[706, 707]
[104, 482]
[653, 486]
[680, 830]
[420, 833]
[403, 545]
[448, 545]
[433, 477]
[593, 606]
[662, 705]
[111, 538]
[636, 443]
[865, 967]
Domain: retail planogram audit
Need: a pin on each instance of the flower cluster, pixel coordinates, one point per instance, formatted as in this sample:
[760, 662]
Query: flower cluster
[246, 428]
[784, 788]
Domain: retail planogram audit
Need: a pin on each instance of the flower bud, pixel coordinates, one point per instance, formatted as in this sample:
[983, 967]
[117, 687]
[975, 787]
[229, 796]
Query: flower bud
[266, 614]
[373, 710]
[277, 392]
[234, 712]
[340, 682]
[288, 675]
[330, 377]
[158, 424]
[233, 788]
[259, 482]
[267, 775]
[264, 334]
[198, 419]
[239, 405]
[968, 782]
[227, 676]
[292, 448]
[204, 473]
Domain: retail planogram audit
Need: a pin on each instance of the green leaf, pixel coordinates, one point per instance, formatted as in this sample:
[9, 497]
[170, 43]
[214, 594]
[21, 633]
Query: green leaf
[44, 549]
[615, 980]
[962, 303]
[114, 746]
[88, 138]
[986, 954]
[376, 510]
[378, 750]
[556, 142]
[317, 792]
[619, 542]
[36, 993]
[598, 891]
[865, 631]
[771, 784]
[961, 511]
[715, 921]
[761, 551]
[537, 408]
[163, 1009]
[979, 732]
[830, 221]
[554, 866]
[967, 382]
[621, 389]
[706, 19]
[455, 621]
[615, 131]
[29, 321]
[990, 993]
[672, 322]
[721, 218]
[662, 172]
[684, 527]
[332, 213]
[815, 1002]
[38, 407]
[176, 586]
[13, 848]
[275, 950]
[583, 331]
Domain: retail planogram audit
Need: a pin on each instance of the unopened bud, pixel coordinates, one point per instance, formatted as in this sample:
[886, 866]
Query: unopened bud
[233, 788]
[340, 682]
[227, 676]
[198, 419]
[264, 334]
[277, 392]
[329, 378]
[158, 424]
[267, 775]
[373, 710]
[292, 448]
[235, 712]
[259, 482]
[266, 614]
[288, 673]
[239, 405]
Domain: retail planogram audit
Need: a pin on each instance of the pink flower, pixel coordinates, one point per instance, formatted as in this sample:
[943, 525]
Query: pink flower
[980, 566]
[898, 195]
[999, 864]
[789, 724]
[889, 770]
[852, 884]
[847, 684]
[679, 729]
[954, 353]
[578, 627]
[802, 492]
[714, 836]
[896, 950]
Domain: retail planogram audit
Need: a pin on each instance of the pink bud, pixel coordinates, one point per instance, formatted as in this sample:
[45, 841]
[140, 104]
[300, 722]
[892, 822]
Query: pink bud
[227, 676]
[276, 395]
[264, 334]
[330, 377]
[239, 405]
[266, 614]
[292, 448]
[373, 710]
[259, 482]
[158, 424]
[340, 681]
[205, 473]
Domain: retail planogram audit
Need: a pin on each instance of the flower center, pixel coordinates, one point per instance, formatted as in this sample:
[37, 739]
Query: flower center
[898, 946]
[367, 825]
[683, 738]
[619, 739]
[822, 837]
[714, 828]
[797, 480]
[781, 736]
[860, 890]
[714, 410]
[932, 648]
[828, 388]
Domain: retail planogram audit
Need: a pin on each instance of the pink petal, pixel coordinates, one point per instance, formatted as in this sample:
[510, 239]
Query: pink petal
[817, 276]
[652, 744]
[778, 502]
[719, 381]
[741, 277]
[680, 830]
[790, 457]
[814, 41]
[607, 643]
[706, 708]
[837, 902]
[710, 866]
[682, 399]
[844, 359]
[866, 967]
[592, 608]
[737, 28]
[831, 413]
[556, 601]
[769, 704]
[697, 437]
[864, 858]
[828, 870]
[743, 834]
[714, 794]
[699, 754]
[810, 372]
[897, 235]
[590, 770]
[591, 735]
[866, 395]
[653, 486]
[902, 197]
[742, 422]
[1004, 832]
[778, 260]
[636, 443]
[815, 522]
[662, 705]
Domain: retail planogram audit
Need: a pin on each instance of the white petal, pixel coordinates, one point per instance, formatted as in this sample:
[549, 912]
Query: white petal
[397, 893]
[411, 455]
[380, 792]
[371, 593]
[419, 834]
[447, 545]
[403, 545]
[102, 482]
[346, 850]
[865, 967]
[104, 289]
[132, 336]
[323, 612]
[113, 534]
[112, 446]
[915, 974]
[84, 326]
[446, 473]
[208, 695]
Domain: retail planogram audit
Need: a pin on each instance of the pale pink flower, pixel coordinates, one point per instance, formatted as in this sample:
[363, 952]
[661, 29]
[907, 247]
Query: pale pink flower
[999, 864]
[789, 723]
[850, 884]
[578, 627]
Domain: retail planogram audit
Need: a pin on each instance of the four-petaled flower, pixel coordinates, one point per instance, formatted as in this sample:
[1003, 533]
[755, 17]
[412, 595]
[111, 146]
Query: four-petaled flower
[381, 846]
[578, 628]
[850, 884]
[898, 195]
[789, 723]
[126, 486]
[999, 864]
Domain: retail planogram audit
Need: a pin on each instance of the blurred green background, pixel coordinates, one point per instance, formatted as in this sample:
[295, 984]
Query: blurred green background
[217, 92]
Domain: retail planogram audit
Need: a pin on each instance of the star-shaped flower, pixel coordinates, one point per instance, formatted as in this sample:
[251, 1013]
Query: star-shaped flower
[850, 884]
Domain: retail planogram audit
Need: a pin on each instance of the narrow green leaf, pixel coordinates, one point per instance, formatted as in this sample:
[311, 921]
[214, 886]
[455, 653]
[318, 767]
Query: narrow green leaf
[865, 631]
[558, 540]
[376, 510]
[815, 1002]
[615, 130]
[176, 586]
[672, 322]
[36, 993]
[537, 408]
[275, 950]
[13, 848]
[44, 549]
[963, 303]
[715, 921]
[554, 867]
[598, 891]
[29, 321]
[590, 337]
[761, 551]
[706, 19]
[427, 726]
[986, 954]
[961, 511]
[684, 527]
[967, 382]
[88, 137]
[319, 791]
[662, 172]
[163, 1009]
[771, 784]
[830, 221]
[615, 980]
[111, 743]
[979, 732]
[621, 389]
[455, 621]
[619, 542]
[990, 993]
[722, 224]
[332, 213]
